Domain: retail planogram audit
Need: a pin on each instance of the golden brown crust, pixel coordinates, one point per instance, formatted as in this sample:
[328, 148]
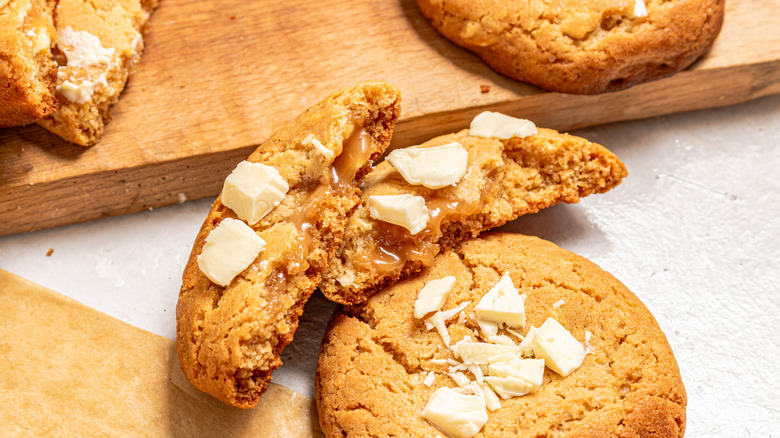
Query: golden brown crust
[505, 179]
[373, 355]
[27, 68]
[119, 25]
[582, 47]
[229, 338]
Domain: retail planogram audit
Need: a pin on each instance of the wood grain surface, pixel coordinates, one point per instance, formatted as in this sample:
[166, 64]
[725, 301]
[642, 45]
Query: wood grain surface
[217, 78]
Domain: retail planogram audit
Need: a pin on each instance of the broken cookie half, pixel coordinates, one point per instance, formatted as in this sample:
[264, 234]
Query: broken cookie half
[99, 43]
[268, 237]
[27, 69]
[428, 198]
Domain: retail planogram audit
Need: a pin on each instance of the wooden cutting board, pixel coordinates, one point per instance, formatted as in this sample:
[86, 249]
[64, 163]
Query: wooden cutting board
[218, 77]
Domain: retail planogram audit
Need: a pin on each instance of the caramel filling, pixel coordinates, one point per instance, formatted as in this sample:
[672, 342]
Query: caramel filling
[394, 246]
[357, 149]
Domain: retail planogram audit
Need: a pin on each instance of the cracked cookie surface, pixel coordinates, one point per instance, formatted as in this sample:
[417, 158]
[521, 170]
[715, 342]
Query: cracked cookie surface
[504, 180]
[374, 355]
[229, 339]
[581, 47]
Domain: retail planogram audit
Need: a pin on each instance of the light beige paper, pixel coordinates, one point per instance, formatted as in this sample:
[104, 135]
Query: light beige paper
[69, 370]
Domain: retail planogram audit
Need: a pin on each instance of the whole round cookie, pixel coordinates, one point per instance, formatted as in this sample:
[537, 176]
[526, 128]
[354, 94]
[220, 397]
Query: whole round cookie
[385, 369]
[580, 46]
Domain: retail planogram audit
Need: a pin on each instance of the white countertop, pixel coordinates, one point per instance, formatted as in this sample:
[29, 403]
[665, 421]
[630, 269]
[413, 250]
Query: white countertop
[694, 231]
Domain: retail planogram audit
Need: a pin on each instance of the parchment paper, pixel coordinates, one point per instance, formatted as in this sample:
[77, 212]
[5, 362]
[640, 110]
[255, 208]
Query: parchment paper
[69, 370]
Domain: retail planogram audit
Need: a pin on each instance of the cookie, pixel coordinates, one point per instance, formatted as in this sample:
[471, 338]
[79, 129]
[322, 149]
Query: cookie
[504, 179]
[101, 42]
[229, 338]
[27, 68]
[379, 365]
[580, 47]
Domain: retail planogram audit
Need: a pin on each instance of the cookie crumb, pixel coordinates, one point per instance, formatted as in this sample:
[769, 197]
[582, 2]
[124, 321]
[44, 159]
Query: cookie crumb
[484, 88]
[49, 252]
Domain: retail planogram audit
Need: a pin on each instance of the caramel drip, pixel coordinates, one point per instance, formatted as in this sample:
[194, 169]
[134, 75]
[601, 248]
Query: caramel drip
[355, 153]
[357, 150]
[394, 246]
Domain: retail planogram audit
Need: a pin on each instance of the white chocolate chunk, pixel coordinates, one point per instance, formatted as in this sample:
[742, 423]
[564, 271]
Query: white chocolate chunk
[527, 344]
[476, 389]
[78, 93]
[457, 415]
[433, 295]
[480, 352]
[457, 367]
[561, 352]
[459, 378]
[436, 320]
[439, 318]
[530, 370]
[491, 399]
[462, 318]
[640, 10]
[502, 340]
[489, 124]
[429, 379]
[230, 248]
[502, 357]
[464, 390]
[404, 210]
[82, 48]
[310, 139]
[448, 314]
[434, 167]
[516, 334]
[558, 304]
[508, 387]
[487, 329]
[252, 190]
[476, 370]
[502, 304]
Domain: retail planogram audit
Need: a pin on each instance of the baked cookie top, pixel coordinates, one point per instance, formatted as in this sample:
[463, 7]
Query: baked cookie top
[503, 178]
[27, 68]
[231, 329]
[380, 365]
[580, 46]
